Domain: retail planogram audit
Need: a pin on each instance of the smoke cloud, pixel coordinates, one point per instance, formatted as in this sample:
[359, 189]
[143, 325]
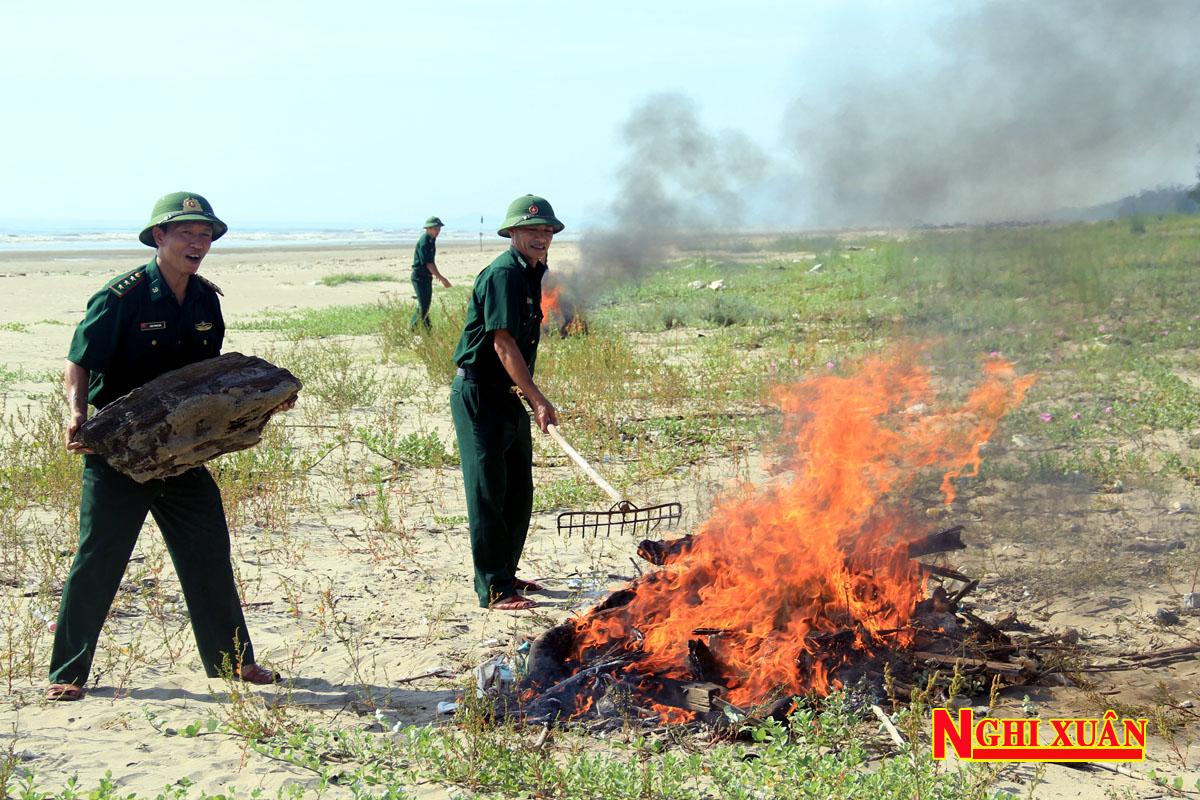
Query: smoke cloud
[1032, 108]
[677, 178]
[1035, 107]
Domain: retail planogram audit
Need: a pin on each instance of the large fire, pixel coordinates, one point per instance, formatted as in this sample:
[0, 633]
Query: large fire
[779, 571]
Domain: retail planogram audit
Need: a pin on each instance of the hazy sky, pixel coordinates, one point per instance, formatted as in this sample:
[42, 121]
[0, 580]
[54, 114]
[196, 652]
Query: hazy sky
[350, 113]
[378, 113]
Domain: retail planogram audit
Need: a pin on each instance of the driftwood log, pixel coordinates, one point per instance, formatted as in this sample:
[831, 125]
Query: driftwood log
[187, 416]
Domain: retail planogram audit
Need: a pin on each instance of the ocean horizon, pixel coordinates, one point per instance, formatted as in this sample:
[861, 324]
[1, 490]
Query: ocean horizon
[87, 237]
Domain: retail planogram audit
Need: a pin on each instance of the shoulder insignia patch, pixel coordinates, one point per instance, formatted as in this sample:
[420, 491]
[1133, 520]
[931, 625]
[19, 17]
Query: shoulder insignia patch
[206, 282]
[121, 286]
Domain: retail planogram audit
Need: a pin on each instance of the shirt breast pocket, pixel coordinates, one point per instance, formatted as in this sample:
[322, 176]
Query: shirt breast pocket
[153, 342]
[203, 339]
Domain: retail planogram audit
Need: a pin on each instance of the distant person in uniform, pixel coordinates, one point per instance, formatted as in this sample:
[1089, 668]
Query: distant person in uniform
[495, 357]
[424, 270]
[157, 318]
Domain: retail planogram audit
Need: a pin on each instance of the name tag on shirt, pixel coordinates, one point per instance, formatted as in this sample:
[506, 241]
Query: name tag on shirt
[154, 326]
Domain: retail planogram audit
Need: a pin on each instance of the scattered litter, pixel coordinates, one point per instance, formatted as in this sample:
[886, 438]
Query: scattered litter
[447, 707]
[816, 267]
[1181, 507]
[586, 588]
[1021, 441]
[1191, 601]
[1166, 616]
[494, 677]
[717, 286]
[696, 284]
[490, 643]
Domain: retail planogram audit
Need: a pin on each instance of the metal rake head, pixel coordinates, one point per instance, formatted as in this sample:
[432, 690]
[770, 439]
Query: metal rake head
[623, 517]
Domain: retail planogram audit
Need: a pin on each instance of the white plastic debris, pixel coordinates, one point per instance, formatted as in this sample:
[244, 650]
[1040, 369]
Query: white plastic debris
[493, 676]
[447, 707]
[816, 267]
[717, 286]
[1191, 601]
[696, 284]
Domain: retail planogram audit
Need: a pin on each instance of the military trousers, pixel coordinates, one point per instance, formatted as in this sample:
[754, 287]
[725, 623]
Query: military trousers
[496, 449]
[423, 286]
[112, 510]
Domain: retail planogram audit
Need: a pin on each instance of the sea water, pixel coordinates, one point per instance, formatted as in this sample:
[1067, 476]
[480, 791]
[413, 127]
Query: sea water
[88, 238]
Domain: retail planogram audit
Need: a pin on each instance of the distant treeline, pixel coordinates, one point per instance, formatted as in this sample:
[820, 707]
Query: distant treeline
[1173, 199]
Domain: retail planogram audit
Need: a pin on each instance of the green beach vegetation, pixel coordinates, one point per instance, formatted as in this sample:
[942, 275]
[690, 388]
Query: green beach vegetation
[671, 378]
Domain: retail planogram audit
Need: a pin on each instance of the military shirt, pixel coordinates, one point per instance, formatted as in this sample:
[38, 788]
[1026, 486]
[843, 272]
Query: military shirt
[134, 330]
[507, 296]
[424, 254]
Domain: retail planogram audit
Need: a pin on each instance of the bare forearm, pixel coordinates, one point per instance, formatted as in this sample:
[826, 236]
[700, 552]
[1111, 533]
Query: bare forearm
[75, 387]
[433, 270]
[514, 363]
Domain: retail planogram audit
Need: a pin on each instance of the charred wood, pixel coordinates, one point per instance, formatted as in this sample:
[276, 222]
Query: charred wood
[703, 663]
[548, 655]
[941, 542]
[1023, 670]
[944, 572]
[560, 699]
[665, 551]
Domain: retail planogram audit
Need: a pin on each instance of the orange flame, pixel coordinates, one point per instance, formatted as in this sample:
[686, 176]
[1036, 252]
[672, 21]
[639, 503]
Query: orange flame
[551, 293]
[780, 569]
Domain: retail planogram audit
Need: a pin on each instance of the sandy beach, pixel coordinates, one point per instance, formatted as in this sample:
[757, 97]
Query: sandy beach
[357, 582]
[347, 613]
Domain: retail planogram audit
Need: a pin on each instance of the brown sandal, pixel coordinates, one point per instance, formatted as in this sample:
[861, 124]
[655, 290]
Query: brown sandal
[513, 603]
[63, 693]
[253, 673]
[527, 586]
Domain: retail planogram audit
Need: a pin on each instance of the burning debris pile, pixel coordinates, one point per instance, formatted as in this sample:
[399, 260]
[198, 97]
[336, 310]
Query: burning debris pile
[802, 586]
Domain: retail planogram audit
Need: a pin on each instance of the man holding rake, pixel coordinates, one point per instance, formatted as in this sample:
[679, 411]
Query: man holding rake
[495, 357]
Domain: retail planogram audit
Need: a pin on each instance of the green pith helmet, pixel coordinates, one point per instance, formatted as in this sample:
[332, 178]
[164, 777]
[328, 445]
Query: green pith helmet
[434, 222]
[181, 207]
[529, 209]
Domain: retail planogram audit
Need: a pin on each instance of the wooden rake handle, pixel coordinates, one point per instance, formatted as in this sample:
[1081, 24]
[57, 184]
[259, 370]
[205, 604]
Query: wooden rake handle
[582, 463]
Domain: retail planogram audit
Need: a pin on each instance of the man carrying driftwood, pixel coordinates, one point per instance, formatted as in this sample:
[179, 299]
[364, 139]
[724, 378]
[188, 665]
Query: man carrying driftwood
[146, 322]
[495, 359]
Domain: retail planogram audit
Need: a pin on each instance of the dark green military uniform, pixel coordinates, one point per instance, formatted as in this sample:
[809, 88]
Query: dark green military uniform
[422, 279]
[133, 331]
[491, 423]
